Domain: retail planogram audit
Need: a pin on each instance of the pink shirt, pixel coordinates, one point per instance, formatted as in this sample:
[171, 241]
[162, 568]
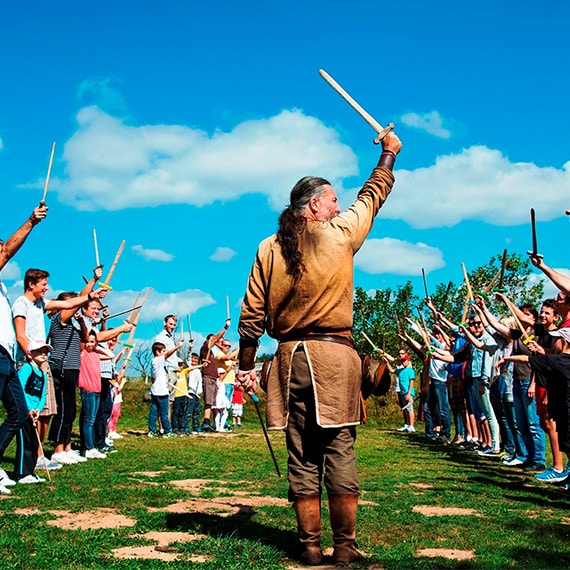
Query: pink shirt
[90, 372]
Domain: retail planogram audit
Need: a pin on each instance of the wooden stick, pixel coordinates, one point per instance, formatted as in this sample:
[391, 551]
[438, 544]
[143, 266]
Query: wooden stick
[376, 348]
[97, 263]
[105, 283]
[43, 200]
[134, 322]
[189, 326]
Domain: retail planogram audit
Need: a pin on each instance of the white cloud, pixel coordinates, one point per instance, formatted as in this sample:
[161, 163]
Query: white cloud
[477, 184]
[550, 290]
[171, 164]
[431, 123]
[152, 254]
[223, 254]
[397, 257]
[10, 271]
[158, 305]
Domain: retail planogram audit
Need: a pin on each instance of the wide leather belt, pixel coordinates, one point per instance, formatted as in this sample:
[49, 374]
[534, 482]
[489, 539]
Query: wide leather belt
[346, 340]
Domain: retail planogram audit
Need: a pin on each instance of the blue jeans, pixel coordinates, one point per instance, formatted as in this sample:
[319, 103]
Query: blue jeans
[12, 396]
[179, 407]
[89, 407]
[528, 422]
[437, 408]
[484, 401]
[193, 411]
[159, 406]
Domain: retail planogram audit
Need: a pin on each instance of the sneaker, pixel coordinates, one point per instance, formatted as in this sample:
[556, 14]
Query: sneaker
[5, 481]
[114, 435]
[170, 435]
[74, 454]
[106, 449]
[207, 427]
[533, 466]
[194, 433]
[489, 452]
[411, 429]
[94, 454]
[64, 458]
[108, 441]
[152, 434]
[30, 479]
[513, 462]
[550, 475]
[403, 428]
[4, 490]
[51, 465]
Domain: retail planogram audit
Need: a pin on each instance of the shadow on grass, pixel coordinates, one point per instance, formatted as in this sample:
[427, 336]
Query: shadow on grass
[240, 525]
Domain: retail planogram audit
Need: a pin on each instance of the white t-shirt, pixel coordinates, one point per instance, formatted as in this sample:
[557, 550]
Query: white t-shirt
[33, 312]
[159, 377]
[7, 334]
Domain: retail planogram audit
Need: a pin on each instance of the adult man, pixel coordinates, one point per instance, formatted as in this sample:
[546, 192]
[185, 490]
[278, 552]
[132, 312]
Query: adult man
[11, 392]
[300, 291]
[166, 337]
[208, 354]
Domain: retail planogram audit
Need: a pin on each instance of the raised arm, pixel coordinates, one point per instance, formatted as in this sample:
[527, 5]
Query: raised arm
[17, 239]
[561, 281]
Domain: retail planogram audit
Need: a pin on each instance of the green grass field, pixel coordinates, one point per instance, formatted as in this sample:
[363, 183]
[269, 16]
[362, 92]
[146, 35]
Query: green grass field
[222, 490]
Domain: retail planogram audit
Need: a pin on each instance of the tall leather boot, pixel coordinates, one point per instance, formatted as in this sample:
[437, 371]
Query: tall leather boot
[308, 511]
[342, 507]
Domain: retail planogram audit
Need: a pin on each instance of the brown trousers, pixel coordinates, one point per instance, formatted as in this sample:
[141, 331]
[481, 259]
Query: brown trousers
[314, 451]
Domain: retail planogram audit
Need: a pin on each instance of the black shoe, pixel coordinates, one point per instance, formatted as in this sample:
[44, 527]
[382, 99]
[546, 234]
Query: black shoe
[533, 466]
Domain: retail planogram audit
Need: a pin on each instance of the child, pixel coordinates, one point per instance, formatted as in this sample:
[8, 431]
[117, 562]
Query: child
[159, 391]
[180, 403]
[90, 386]
[195, 389]
[237, 404]
[221, 407]
[117, 385]
[34, 382]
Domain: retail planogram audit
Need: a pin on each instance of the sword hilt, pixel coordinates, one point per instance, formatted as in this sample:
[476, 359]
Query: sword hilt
[535, 254]
[383, 133]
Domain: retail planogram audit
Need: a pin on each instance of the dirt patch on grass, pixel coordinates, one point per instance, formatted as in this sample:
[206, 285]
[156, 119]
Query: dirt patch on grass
[221, 506]
[430, 511]
[449, 553]
[162, 550]
[90, 520]
[421, 485]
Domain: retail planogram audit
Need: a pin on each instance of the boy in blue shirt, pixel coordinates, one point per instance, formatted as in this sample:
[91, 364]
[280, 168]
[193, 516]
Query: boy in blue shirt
[34, 382]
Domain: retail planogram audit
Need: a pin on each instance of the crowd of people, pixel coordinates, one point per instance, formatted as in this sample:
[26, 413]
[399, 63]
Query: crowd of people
[42, 367]
[500, 381]
[178, 387]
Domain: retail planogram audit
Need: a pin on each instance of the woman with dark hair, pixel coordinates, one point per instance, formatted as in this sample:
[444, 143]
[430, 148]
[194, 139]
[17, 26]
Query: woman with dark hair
[65, 336]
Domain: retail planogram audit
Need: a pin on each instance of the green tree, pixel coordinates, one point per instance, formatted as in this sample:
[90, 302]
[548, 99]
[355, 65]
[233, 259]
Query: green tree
[379, 314]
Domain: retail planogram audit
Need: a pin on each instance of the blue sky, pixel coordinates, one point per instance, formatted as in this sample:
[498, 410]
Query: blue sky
[182, 126]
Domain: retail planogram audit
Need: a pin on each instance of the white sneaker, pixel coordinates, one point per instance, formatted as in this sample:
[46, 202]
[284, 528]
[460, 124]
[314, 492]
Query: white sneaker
[74, 454]
[114, 435]
[29, 479]
[51, 465]
[411, 429]
[5, 481]
[403, 428]
[4, 490]
[94, 454]
[63, 458]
